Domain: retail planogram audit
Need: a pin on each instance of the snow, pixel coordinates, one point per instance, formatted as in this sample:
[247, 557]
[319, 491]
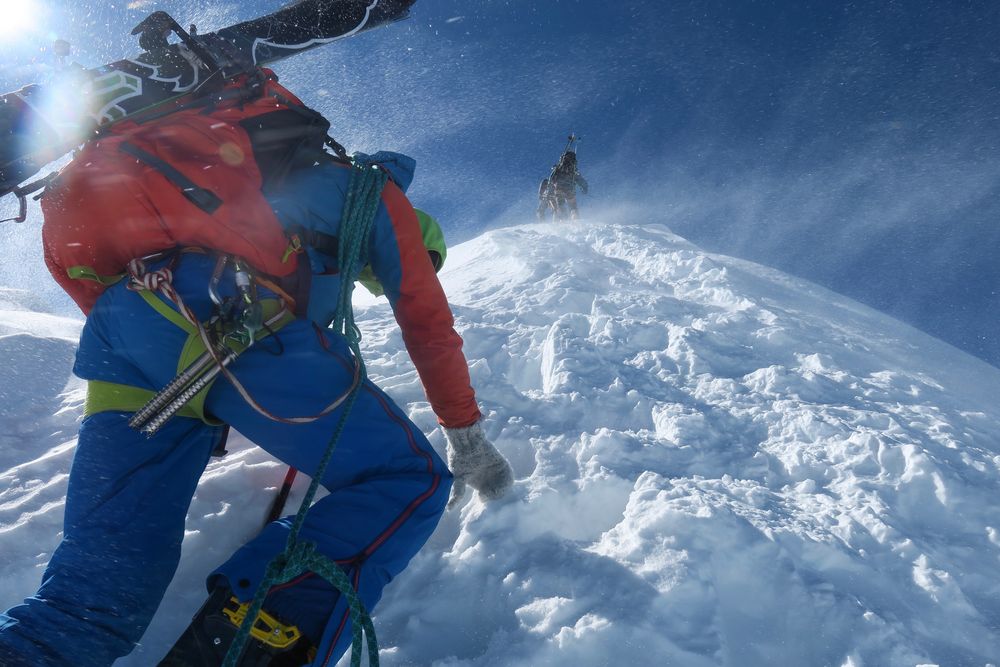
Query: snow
[717, 464]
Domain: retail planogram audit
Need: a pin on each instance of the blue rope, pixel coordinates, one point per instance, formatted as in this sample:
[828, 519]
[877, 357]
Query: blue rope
[360, 207]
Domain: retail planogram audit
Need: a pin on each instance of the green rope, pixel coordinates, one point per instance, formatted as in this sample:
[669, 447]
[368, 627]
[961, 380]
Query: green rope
[360, 208]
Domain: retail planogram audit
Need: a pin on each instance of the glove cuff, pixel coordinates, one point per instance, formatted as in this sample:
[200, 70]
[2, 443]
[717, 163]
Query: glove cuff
[465, 438]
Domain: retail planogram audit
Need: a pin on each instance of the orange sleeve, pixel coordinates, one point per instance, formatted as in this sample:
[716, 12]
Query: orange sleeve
[424, 316]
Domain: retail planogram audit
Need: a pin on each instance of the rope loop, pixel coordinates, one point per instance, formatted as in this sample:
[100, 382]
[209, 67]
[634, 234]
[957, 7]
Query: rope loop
[160, 281]
[141, 279]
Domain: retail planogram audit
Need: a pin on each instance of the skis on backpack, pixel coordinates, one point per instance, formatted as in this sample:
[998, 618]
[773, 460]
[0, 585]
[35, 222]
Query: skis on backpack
[572, 143]
[41, 123]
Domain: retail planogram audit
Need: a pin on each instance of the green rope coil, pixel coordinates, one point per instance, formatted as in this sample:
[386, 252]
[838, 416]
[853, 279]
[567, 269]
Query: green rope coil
[360, 208]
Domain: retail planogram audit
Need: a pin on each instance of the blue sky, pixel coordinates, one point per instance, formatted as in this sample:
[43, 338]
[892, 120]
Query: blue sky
[854, 144]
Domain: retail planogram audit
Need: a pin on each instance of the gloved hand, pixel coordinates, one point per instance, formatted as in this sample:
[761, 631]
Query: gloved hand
[475, 462]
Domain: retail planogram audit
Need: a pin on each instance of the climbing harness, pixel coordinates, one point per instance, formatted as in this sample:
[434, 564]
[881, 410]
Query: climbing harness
[226, 336]
[241, 322]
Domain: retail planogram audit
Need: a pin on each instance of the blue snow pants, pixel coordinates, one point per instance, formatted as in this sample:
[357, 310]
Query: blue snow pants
[128, 494]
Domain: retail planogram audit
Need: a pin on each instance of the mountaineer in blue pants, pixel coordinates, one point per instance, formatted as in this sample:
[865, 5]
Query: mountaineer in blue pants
[128, 494]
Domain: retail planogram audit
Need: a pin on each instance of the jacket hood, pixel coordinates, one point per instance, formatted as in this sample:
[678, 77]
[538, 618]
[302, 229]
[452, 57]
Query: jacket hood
[399, 166]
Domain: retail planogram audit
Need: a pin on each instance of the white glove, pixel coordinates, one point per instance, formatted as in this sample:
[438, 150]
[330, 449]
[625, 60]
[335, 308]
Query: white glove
[475, 462]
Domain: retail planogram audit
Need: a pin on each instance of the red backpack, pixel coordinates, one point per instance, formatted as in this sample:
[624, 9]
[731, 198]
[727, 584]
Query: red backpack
[189, 177]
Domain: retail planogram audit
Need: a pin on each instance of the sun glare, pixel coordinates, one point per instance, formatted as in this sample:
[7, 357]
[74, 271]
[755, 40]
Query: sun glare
[18, 16]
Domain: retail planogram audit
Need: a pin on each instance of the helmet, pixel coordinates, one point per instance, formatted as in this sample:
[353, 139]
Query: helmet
[433, 241]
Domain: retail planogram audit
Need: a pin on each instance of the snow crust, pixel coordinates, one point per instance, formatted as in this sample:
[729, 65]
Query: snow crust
[717, 464]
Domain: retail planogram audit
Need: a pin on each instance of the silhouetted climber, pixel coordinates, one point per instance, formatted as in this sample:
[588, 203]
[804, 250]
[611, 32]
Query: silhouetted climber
[564, 181]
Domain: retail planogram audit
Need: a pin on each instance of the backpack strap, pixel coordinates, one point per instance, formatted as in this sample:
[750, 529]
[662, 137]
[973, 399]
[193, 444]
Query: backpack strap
[328, 244]
[204, 199]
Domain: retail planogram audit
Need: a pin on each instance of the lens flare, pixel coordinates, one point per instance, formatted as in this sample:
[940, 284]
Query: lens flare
[18, 17]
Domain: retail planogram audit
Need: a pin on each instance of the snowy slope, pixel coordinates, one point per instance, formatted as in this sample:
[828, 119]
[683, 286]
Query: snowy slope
[717, 464]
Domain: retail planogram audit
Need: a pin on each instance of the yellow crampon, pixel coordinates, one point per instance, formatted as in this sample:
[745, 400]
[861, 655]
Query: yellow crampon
[266, 629]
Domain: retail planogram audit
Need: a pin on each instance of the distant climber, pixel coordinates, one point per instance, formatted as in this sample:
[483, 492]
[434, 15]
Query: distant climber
[564, 180]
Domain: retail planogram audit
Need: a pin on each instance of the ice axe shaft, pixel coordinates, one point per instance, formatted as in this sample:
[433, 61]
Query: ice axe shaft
[278, 506]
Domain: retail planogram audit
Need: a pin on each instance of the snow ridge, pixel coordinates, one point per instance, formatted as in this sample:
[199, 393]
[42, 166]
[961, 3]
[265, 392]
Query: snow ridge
[719, 465]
